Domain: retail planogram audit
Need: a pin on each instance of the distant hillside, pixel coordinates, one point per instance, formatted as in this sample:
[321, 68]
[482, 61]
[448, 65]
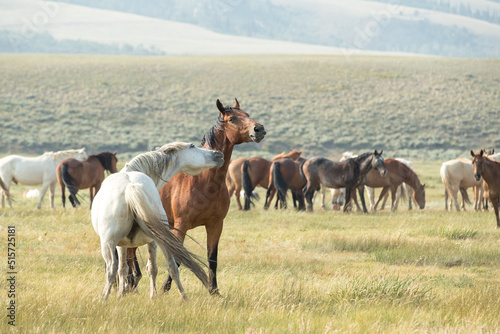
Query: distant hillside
[457, 28]
[421, 108]
[452, 28]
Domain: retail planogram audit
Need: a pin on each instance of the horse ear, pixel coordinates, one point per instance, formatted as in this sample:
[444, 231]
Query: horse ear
[472, 153]
[220, 107]
[236, 104]
[381, 152]
[481, 153]
[115, 153]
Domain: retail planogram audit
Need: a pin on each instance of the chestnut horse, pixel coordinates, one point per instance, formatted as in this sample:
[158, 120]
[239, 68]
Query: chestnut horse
[397, 173]
[89, 173]
[203, 200]
[349, 173]
[285, 174]
[247, 174]
[489, 170]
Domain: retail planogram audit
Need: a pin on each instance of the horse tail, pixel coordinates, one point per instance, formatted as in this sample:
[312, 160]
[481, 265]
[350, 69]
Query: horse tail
[279, 183]
[301, 171]
[247, 184]
[149, 217]
[66, 178]
[5, 190]
[465, 196]
[402, 189]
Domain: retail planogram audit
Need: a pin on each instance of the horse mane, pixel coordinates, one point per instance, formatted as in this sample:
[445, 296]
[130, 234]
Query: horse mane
[210, 137]
[105, 158]
[61, 154]
[154, 163]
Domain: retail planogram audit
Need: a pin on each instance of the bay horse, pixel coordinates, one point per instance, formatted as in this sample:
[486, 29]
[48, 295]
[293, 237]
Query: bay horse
[457, 175]
[397, 174]
[89, 173]
[285, 174]
[348, 174]
[203, 200]
[489, 170]
[34, 171]
[127, 213]
[247, 174]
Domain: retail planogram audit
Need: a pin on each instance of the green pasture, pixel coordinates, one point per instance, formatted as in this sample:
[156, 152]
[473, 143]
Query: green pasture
[419, 108]
[420, 271]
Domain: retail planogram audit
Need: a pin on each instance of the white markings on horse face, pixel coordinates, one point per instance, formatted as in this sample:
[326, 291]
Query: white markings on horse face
[379, 164]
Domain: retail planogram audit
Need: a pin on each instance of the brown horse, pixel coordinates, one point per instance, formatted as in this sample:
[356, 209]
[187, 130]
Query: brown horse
[397, 173]
[75, 174]
[489, 170]
[349, 174]
[203, 200]
[285, 174]
[247, 174]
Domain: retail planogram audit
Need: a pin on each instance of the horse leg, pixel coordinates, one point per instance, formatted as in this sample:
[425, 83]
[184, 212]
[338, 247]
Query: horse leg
[152, 268]
[42, 194]
[238, 201]
[381, 196]
[371, 196]
[111, 259]
[393, 198]
[134, 273]
[361, 191]
[495, 203]
[454, 195]
[269, 196]
[122, 271]
[180, 232]
[323, 194]
[213, 237]
[52, 191]
[347, 202]
[63, 194]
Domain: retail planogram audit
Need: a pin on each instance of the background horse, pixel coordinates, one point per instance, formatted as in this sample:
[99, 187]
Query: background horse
[404, 191]
[127, 212]
[247, 174]
[346, 174]
[457, 175]
[34, 171]
[89, 173]
[203, 200]
[397, 173]
[489, 170]
[486, 189]
[285, 174]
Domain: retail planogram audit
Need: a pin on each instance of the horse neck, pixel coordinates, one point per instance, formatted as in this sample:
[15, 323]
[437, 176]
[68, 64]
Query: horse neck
[365, 165]
[489, 170]
[411, 178]
[226, 147]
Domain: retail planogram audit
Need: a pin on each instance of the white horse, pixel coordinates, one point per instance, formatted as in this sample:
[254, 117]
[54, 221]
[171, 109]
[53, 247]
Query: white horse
[457, 175]
[34, 171]
[127, 212]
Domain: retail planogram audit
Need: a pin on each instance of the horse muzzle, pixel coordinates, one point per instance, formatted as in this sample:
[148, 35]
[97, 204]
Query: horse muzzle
[477, 177]
[218, 158]
[258, 133]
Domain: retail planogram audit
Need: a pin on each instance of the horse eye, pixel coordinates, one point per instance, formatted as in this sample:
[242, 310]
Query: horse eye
[192, 146]
[231, 119]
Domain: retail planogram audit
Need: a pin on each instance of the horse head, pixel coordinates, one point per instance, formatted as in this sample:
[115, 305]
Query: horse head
[419, 196]
[378, 162]
[238, 125]
[195, 160]
[477, 164]
[114, 161]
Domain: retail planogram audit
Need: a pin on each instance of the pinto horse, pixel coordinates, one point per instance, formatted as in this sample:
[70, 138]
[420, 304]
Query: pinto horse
[89, 173]
[347, 174]
[247, 174]
[397, 173]
[285, 174]
[489, 170]
[203, 200]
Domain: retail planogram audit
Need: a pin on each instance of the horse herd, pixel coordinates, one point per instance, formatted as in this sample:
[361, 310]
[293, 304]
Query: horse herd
[159, 195]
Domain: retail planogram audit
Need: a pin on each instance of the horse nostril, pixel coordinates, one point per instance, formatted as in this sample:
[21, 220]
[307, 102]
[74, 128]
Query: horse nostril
[257, 129]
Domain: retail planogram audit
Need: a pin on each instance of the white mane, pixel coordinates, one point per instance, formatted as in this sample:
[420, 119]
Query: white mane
[154, 163]
[63, 154]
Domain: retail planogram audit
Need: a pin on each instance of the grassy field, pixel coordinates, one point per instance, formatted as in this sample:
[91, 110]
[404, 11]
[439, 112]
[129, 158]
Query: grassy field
[425, 271]
[417, 108]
